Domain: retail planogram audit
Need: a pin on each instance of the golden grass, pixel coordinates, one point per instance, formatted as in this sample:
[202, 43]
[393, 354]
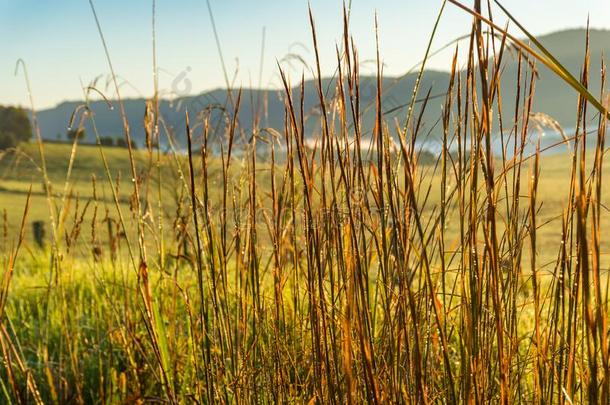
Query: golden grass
[330, 274]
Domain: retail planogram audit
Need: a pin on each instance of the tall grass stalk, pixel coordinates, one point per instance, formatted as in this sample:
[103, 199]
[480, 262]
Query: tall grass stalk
[305, 264]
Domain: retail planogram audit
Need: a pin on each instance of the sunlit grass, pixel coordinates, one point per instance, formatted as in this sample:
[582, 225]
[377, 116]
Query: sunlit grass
[261, 266]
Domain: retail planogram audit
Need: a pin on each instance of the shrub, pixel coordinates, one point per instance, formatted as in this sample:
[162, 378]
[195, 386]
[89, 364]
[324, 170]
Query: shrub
[122, 143]
[15, 127]
[7, 140]
[78, 133]
[107, 140]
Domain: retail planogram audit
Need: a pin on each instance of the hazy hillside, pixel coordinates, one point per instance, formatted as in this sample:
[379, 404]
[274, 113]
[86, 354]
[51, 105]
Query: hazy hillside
[269, 103]
[552, 96]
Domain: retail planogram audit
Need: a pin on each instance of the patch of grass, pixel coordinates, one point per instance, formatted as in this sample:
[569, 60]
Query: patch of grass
[336, 274]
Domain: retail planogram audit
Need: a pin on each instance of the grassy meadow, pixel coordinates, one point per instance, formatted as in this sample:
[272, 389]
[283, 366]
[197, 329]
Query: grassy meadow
[20, 169]
[271, 265]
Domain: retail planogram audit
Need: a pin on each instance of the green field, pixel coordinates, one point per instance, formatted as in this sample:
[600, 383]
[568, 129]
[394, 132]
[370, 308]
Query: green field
[322, 261]
[72, 310]
[21, 170]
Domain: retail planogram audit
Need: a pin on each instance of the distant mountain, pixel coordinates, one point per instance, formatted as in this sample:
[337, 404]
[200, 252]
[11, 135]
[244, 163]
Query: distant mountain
[552, 96]
[266, 104]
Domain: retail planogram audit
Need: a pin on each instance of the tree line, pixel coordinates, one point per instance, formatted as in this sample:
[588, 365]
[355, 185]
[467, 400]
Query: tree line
[15, 127]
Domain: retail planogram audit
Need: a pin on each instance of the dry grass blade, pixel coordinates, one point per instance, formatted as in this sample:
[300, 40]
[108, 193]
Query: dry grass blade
[335, 257]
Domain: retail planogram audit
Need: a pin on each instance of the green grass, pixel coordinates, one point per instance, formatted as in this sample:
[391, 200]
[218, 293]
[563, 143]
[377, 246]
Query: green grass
[20, 170]
[331, 275]
[19, 174]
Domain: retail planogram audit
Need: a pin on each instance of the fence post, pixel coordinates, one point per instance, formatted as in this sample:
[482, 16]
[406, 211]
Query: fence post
[39, 233]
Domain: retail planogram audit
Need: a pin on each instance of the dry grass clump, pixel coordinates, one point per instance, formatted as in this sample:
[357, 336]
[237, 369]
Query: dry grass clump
[329, 273]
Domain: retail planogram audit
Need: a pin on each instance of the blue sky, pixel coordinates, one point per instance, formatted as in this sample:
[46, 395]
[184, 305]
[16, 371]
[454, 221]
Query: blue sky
[59, 42]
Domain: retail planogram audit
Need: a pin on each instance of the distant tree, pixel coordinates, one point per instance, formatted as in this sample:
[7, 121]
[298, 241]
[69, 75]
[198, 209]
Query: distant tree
[107, 140]
[122, 143]
[7, 140]
[78, 133]
[15, 127]
[426, 158]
